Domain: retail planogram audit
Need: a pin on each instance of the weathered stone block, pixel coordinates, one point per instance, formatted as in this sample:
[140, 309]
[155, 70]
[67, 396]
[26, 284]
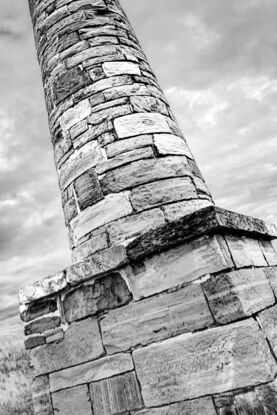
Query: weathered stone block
[135, 124]
[116, 395]
[268, 322]
[94, 244]
[169, 144]
[162, 192]
[238, 294]
[121, 68]
[129, 144]
[178, 210]
[210, 362]
[105, 84]
[38, 309]
[41, 396]
[88, 190]
[56, 356]
[125, 91]
[75, 115]
[41, 325]
[70, 210]
[143, 171]
[69, 82]
[92, 52]
[101, 295]
[180, 265]
[203, 406]
[155, 319]
[124, 230]
[34, 341]
[269, 252]
[114, 206]
[78, 129]
[72, 401]
[246, 403]
[109, 114]
[267, 394]
[91, 372]
[148, 104]
[246, 252]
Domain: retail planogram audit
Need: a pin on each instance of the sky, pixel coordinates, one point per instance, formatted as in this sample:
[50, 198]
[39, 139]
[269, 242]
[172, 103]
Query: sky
[217, 63]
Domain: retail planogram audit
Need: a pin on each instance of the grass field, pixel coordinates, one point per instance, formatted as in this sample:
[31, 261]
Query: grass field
[15, 385]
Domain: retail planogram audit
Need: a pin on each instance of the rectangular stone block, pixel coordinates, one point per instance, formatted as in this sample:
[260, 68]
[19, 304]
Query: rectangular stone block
[69, 82]
[125, 91]
[94, 244]
[38, 309]
[271, 274]
[129, 144]
[269, 252]
[74, 115]
[92, 52]
[180, 265]
[109, 114]
[148, 104]
[210, 362]
[41, 396]
[203, 406]
[142, 172]
[246, 251]
[100, 295]
[116, 395]
[42, 324]
[155, 319]
[135, 124]
[91, 372]
[55, 356]
[87, 189]
[113, 207]
[72, 401]
[178, 210]
[238, 294]
[105, 84]
[121, 68]
[124, 230]
[169, 144]
[162, 192]
[268, 322]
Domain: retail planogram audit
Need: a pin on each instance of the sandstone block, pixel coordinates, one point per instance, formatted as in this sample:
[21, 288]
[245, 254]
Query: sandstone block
[113, 207]
[155, 319]
[72, 401]
[169, 144]
[94, 244]
[91, 372]
[180, 265]
[87, 189]
[100, 295]
[178, 210]
[135, 124]
[238, 294]
[124, 230]
[142, 172]
[162, 192]
[55, 356]
[210, 362]
[116, 395]
[268, 321]
[74, 115]
[129, 144]
[246, 252]
[202, 406]
[42, 324]
[121, 68]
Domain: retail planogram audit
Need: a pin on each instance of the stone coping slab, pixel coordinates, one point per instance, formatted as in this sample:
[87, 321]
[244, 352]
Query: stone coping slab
[203, 222]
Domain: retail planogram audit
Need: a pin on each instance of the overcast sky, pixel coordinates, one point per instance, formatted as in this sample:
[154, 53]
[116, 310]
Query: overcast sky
[217, 62]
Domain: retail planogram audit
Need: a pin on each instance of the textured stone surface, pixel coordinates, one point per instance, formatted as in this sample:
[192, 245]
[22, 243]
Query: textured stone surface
[246, 252]
[116, 395]
[210, 362]
[41, 396]
[121, 68]
[72, 401]
[178, 210]
[34, 341]
[162, 192]
[38, 309]
[91, 372]
[56, 356]
[203, 406]
[181, 265]
[238, 294]
[167, 144]
[271, 274]
[136, 124]
[129, 144]
[43, 324]
[268, 321]
[269, 252]
[75, 114]
[88, 190]
[101, 295]
[114, 206]
[156, 318]
[90, 247]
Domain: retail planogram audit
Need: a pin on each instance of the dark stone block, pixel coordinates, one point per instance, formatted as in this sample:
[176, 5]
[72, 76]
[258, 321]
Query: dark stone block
[42, 325]
[88, 189]
[69, 82]
[36, 341]
[38, 309]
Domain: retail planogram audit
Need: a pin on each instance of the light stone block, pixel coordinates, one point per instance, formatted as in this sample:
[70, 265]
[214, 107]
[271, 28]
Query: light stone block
[246, 252]
[180, 265]
[202, 406]
[130, 144]
[135, 124]
[169, 144]
[90, 247]
[91, 372]
[178, 210]
[269, 252]
[113, 207]
[125, 91]
[268, 322]
[85, 158]
[121, 68]
[210, 362]
[155, 319]
[72, 401]
[74, 115]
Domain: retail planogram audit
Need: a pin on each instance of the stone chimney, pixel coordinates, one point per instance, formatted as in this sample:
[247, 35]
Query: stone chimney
[169, 306]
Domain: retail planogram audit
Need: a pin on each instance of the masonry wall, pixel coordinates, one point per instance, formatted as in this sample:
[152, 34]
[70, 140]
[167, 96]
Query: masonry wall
[123, 164]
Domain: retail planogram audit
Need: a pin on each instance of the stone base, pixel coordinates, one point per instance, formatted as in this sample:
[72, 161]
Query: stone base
[181, 321]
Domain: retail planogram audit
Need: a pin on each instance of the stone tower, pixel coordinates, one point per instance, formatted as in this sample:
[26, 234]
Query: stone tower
[169, 307]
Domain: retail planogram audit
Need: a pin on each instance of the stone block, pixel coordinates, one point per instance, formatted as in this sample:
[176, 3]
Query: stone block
[123, 159]
[127, 145]
[162, 192]
[267, 394]
[42, 324]
[246, 252]
[82, 160]
[242, 403]
[70, 210]
[72, 401]
[69, 82]
[38, 309]
[135, 124]
[179, 266]
[268, 322]
[142, 172]
[94, 244]
[76, 5]
[78, 129]
[202, 406]
[269, 252]
[238, 294]
[178, 210]
[109, 114]
[103, 40]
[34, 341]
[100, 295]
[271, 274]
[74, 115]
[41, 396]
[121, 68]
[148, 104]
[92, 52]
[87, 189]
[116, 395]
[105, 84]
[124, 230]
[210, 362]
[55, 356]
[113, 207]
[169, 144]
[155, 319]
[91, 372]
[125, 91]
